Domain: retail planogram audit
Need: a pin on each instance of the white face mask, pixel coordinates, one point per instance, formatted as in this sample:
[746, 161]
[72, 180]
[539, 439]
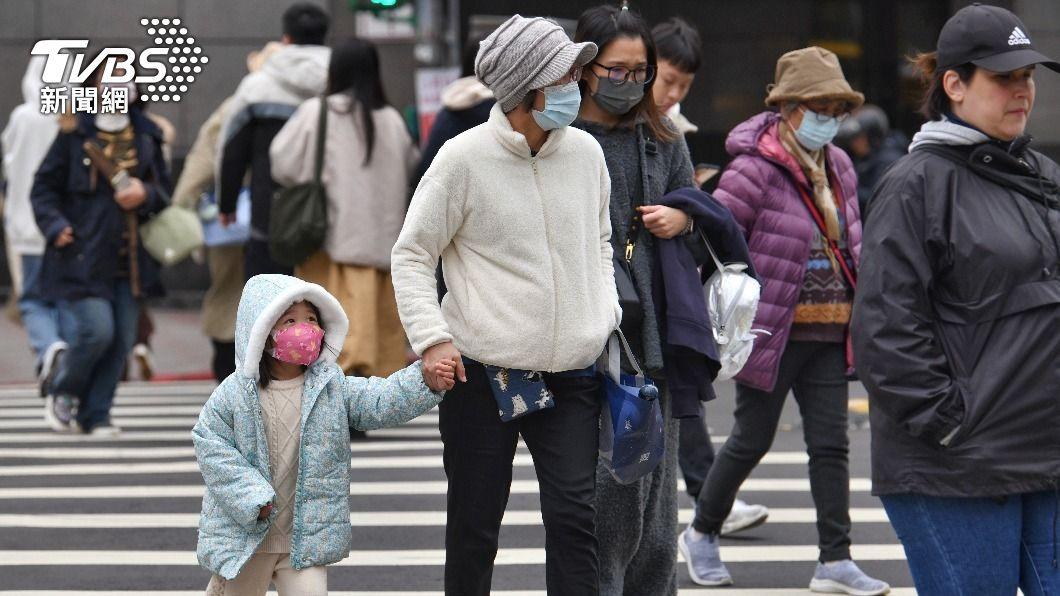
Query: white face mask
[112, 122]
[816, 130]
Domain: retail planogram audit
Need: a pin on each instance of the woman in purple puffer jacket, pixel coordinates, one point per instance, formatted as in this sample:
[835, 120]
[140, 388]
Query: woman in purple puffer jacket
[794, 195]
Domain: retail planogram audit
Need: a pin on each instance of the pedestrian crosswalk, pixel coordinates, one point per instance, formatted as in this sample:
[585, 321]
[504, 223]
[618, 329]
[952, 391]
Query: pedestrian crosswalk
[86, 515]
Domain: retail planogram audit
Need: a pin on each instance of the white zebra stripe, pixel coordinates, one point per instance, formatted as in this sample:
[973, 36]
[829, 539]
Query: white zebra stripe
[141, 436]
[37, 422]
[777, 515]
[133, 388]
[682, 592]
[396, 462]
[429, 487]
[89, 450]
[424, 557]
[155, 410]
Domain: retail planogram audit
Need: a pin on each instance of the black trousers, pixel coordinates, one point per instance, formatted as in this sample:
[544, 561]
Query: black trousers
[224, 359]
[256, 260]
[695, 455]
[816, 373]
[478, 453]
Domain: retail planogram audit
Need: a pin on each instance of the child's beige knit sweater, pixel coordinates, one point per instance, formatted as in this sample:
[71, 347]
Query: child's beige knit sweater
[281, 409]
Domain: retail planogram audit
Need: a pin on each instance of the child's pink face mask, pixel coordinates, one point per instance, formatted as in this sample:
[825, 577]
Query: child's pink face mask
[298, 344]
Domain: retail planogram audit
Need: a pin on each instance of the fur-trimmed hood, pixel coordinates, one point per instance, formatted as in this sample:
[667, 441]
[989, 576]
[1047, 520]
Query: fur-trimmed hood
[264, 300]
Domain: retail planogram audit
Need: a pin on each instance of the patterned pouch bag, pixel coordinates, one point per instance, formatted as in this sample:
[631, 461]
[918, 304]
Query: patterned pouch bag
[518, 392]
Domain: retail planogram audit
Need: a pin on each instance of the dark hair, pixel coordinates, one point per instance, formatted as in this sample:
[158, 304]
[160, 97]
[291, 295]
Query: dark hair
[935, 102]
[354, 69]
[467, 59]
[264, 370]
[602, 25]
[305, 24]
[678, 43]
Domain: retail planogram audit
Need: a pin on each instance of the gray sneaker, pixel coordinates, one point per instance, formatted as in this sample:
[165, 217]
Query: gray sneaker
[704, 562]
[59, 410]
[744, 517]
[844, 577]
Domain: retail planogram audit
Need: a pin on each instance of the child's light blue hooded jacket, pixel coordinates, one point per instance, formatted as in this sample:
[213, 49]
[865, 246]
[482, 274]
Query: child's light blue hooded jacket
[234, 456]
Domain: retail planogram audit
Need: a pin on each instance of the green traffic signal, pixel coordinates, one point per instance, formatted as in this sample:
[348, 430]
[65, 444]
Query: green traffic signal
[375, 5]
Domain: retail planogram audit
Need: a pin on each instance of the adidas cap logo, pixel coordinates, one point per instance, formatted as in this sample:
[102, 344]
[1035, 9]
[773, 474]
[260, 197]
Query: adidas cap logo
[1018, 38]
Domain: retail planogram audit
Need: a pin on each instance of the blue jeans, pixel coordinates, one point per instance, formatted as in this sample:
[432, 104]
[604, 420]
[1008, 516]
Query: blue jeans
[39, 316]
[100, 334]
[975, 546]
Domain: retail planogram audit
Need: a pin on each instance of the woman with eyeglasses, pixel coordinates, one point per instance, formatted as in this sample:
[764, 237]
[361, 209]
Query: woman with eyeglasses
[794, 194]
[646, 158]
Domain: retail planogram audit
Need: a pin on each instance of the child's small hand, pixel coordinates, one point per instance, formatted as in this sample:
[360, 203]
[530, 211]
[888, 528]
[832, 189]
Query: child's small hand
[265, 511]
[442, 377]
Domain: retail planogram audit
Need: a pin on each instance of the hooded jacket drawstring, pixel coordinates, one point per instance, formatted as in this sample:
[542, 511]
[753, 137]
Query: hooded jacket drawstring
[1045, 214]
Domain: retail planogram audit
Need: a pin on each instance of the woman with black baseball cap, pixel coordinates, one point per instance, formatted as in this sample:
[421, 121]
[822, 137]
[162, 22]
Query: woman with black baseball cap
[956, 323]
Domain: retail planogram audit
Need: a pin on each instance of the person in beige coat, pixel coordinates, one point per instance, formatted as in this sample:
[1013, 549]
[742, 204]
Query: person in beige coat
[225, 262]
[369, 157]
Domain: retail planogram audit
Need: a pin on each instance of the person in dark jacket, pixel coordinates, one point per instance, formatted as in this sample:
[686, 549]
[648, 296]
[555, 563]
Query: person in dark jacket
[95, 268]
[957, 323]
[466, 103]
[680, 55]
[867, 137]
[257, 111]
[794, 196]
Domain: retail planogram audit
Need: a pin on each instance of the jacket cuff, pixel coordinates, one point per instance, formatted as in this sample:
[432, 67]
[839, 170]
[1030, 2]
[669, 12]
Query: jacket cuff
[154, 202]
[253, 503]
[55, 229]
[430, 341]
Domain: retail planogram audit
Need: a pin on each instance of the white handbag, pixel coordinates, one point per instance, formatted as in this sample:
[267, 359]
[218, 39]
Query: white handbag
[732, 302]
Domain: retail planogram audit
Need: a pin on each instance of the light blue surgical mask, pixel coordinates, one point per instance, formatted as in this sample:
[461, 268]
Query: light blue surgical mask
[816, 130]
[562, 103]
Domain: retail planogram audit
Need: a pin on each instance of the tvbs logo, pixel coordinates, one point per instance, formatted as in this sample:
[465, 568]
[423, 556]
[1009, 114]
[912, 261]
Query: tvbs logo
[165, 69]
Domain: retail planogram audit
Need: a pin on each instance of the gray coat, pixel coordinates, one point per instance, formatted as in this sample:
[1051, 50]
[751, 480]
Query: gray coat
[629, 152]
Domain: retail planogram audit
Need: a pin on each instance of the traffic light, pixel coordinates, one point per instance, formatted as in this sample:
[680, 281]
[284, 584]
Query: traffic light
[376, 5]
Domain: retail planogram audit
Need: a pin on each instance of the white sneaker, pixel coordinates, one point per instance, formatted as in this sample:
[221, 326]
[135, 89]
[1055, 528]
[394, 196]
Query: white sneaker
[743, 516]
[142, 354]
[49, 366]
[59, 411]
[106, 430]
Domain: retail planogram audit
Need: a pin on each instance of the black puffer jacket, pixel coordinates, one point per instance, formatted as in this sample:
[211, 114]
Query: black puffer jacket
[956, 323]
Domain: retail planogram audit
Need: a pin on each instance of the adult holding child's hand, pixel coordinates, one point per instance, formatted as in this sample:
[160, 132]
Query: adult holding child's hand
[501, 205]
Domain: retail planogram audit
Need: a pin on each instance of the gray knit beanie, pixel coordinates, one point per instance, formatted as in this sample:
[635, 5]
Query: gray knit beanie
[525, 54]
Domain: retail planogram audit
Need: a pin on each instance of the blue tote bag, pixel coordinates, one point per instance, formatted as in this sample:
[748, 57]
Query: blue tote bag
[631, 420]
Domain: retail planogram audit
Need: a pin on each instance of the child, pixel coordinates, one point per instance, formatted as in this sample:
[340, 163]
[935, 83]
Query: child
[273, 441]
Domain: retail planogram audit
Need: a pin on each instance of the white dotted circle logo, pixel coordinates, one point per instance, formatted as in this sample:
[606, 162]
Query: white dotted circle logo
[184, 57]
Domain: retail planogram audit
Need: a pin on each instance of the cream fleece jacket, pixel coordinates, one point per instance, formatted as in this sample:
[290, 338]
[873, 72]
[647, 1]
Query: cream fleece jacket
[524, 244]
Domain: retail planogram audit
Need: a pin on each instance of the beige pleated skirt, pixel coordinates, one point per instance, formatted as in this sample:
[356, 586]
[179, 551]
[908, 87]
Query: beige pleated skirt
[376, 344]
